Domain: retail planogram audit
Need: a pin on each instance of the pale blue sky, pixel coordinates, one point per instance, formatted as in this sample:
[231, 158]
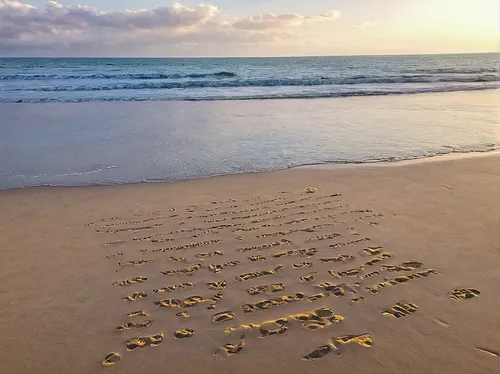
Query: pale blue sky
[244, 27]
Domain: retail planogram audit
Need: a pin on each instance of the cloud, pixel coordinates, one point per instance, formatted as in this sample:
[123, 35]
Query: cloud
[271, 21]
[58, 29]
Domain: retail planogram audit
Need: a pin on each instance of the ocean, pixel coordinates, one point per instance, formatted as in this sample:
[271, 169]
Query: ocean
[76, 122]
[80, 80]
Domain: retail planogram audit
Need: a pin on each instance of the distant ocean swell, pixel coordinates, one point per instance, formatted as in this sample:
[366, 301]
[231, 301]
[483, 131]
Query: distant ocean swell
[192, 95]
[151, 76]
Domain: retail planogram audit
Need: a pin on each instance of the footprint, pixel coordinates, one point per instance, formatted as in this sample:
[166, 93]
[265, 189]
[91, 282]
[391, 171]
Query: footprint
[405, 266]
[316, 297]
[266, 289]
[401, 279]
[320, 352]
[363, 340]
[145, 341]
[186, 333]
[174, 287]
[111, 359]
[267, 304]
[223, 317]
[302, 265]
[209, 254]
[376, 260]
[263, 273]
[232, 349]
[128, 282]
[276, 327]
[336, 289]
[217, 285]
[357, 300]
[257, 258]
[136, 296]
[139, 313]
[347, 273]
[464, 293]
[186, 271]
[307, 278]
[401, 310]
[341, 258]
[134, 325]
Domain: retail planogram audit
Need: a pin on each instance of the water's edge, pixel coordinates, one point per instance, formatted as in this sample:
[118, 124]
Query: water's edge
[390, 162]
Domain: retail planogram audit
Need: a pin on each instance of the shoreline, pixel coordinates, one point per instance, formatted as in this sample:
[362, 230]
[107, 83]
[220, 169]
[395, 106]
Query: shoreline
[452, 156]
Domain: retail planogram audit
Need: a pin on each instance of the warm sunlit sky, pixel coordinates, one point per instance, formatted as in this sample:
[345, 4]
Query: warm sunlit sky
[247, 27]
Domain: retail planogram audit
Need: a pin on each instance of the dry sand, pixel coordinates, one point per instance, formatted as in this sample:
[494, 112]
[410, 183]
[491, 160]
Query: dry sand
[439, 221]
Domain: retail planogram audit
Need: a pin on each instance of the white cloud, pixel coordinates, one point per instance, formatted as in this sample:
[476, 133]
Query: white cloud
[79, 29]
[272, 21]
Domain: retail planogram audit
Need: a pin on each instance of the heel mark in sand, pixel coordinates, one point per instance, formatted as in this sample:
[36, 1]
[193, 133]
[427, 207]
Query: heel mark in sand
[223, 317]
[401, 310]
[182, 334]
[464, 293]
[111, 359]
[145, 341]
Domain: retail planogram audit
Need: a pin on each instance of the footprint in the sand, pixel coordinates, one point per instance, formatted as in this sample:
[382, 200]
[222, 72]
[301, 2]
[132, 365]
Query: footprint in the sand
[357, 300]
[217, 285]
[174, 287]
[375, 289]
[257, 258]
[363, 340]
[186, 271]
[183, 314]
[307, 252]
[401, 309]
[223, 317]
[185, 333]
[258, 274]
[205, 255]
[134, 263]
[111, 359]
[232, 349]
[346, 273]
[464, 293]
[320, 352]
[335, 289]
[308, 278]
[136, 296]
[217, 268]
[316, 297]
[145, 341]
[341, 258]
[267, 304]
[266, 289]
[139, 313]
[128, 282]
[302, 265]
[134, 325]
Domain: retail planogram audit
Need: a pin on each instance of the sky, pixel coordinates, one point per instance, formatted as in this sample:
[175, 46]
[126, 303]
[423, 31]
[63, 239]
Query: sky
[224, 28]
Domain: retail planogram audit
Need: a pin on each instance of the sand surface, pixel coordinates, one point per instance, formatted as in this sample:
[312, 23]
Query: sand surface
[371, 244]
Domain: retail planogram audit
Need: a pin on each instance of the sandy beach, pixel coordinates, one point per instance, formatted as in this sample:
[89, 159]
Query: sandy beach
[371, 270]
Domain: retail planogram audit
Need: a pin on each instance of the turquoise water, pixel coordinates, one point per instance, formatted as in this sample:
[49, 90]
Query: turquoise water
[83, 80]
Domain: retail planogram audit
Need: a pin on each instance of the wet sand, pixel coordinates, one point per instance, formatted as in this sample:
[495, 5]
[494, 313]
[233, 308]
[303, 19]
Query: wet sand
[381, 270]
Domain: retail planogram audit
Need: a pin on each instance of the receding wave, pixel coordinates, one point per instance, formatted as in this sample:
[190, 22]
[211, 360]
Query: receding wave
[143, 76]
[184, 96]
[152, 85]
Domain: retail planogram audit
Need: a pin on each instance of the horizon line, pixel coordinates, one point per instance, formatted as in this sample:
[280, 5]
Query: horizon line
[235, 57]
